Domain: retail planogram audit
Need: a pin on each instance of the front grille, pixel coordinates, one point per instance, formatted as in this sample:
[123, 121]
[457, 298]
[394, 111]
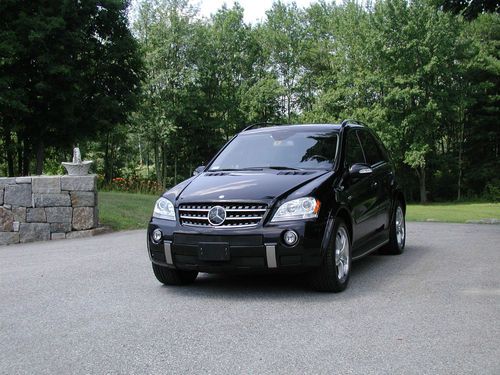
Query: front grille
[237, 214]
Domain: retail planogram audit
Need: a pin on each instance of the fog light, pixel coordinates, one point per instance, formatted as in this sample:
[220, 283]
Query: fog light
[157, 236]
[290, 237]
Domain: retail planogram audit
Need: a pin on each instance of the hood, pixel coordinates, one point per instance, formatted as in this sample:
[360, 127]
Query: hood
[245, 186]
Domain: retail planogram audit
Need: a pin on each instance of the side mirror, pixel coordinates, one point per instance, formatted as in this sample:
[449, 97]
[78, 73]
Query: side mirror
[360, 170]
[198, 170]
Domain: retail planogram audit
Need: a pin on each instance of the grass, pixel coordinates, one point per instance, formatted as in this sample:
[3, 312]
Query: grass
[452, 212]
[123, 211]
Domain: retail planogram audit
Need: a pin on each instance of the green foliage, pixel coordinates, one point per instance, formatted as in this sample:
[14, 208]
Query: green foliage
[132, 184]
[424, 79]
[416, 156]
[470, 9]
[69, 70]
[492, 191]
[424, 74]
[406, 69]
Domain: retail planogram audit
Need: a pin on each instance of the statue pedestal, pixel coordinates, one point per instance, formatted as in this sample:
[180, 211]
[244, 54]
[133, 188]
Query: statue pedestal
[77, 169]
[37, 208]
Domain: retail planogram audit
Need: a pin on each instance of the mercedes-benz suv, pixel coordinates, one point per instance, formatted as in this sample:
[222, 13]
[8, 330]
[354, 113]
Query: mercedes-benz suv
[307, 198]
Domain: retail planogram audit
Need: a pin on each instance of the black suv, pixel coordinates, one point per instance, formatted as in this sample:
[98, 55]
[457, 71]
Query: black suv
[309, 198]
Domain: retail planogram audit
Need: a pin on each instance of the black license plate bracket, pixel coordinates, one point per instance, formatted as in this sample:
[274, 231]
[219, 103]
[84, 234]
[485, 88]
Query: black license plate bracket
[214, 251]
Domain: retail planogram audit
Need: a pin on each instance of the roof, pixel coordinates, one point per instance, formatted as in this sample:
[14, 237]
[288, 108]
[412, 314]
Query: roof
[304, 127]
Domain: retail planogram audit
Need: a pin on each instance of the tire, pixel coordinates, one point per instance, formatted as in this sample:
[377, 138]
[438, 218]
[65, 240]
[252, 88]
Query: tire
[397, 232]
[333, 275]
[170, 276]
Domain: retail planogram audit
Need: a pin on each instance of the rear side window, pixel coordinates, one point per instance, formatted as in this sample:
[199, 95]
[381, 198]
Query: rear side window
[371, 148]
[354, 152]
[382, 149]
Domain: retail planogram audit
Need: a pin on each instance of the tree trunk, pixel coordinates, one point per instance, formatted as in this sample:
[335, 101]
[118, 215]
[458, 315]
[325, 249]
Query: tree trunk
[157, 162]
[460, 161]
[288, 104]
[111, 160]
[175, 171]
[423, 190]
[40, 156]
[141, 162]
[164, 166]
[10, 154]
[147, 159]
[26, 158]
[19, 171]
[107, 176]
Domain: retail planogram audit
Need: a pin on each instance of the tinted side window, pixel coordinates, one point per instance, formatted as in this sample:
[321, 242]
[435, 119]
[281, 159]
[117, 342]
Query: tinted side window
[354, 152]
[371, 148]
[383, 150]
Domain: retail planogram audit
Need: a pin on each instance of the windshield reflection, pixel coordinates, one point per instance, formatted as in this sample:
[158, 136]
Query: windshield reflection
[280, 150]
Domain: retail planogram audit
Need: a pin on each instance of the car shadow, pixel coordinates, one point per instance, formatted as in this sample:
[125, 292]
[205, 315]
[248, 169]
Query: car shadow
[368, 274]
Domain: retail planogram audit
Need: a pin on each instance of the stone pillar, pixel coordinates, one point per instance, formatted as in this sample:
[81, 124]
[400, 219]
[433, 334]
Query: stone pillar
[41, 208]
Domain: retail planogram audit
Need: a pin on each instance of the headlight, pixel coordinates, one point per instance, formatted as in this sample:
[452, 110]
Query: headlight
[302, 208]
[164, 209]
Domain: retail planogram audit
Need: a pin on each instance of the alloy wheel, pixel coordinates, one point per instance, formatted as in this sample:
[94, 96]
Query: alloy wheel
[342, 254]
[400, 227]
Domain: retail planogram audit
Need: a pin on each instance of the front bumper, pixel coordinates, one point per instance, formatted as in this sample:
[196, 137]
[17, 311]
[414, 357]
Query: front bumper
[250, 249]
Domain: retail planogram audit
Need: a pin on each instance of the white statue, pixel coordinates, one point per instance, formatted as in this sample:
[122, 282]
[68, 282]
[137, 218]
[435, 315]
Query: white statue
[77, 156]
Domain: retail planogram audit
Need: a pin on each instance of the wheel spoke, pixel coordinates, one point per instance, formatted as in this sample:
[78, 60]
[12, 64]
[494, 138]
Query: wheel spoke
[400, 226]
[340, 271]
[338, 242]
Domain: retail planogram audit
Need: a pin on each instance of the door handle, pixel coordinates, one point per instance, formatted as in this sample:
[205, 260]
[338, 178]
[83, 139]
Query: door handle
[374, 184]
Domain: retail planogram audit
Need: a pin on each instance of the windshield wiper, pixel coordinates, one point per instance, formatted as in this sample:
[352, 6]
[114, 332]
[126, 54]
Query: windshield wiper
[275, 167]
[280, 168]
[235, 169]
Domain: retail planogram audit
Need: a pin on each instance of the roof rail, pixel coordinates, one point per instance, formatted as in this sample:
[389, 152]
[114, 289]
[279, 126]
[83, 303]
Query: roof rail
[351, 121]
[259, 124]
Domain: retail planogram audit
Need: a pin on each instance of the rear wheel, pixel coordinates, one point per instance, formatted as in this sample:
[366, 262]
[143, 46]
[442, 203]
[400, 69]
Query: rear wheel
[333, 275]
[170, 276]
[397, 232]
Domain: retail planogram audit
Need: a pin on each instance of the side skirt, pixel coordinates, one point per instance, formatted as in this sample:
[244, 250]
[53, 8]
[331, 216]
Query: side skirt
[370, 250]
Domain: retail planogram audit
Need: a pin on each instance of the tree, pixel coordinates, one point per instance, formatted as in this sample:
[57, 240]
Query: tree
[481, 146]
[170, 97]
[470, 9]
[281, 37]
[71, 70]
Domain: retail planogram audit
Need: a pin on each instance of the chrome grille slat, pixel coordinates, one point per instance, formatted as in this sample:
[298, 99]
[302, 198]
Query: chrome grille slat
[246, 210]
[239, 215]
[243, 217]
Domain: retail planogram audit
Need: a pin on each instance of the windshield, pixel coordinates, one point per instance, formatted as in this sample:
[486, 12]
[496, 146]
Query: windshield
[279, 149]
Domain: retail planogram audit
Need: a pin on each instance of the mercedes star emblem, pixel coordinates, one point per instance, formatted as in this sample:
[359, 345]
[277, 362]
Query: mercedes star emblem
[216, 215]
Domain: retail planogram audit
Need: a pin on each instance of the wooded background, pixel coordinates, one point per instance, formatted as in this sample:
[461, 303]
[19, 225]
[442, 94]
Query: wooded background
[154, 93]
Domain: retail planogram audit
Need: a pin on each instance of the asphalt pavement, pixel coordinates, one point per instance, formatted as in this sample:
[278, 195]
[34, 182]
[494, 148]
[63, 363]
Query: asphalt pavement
[93, 306]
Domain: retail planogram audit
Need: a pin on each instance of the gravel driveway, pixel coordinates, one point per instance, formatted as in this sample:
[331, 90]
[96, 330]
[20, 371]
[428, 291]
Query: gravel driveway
[93, 306]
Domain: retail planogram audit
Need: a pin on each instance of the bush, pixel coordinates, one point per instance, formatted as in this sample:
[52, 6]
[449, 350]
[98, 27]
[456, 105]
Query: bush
[492, 191]
[131, 185]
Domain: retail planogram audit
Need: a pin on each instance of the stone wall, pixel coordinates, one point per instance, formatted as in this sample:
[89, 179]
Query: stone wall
[39, 208]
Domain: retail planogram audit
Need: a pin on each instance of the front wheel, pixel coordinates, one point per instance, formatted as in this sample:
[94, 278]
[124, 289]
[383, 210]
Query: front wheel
[333, 275]
[397, 232]
[170, 276]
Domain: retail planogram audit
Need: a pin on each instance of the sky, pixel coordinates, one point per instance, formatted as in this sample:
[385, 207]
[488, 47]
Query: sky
[255, 10]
